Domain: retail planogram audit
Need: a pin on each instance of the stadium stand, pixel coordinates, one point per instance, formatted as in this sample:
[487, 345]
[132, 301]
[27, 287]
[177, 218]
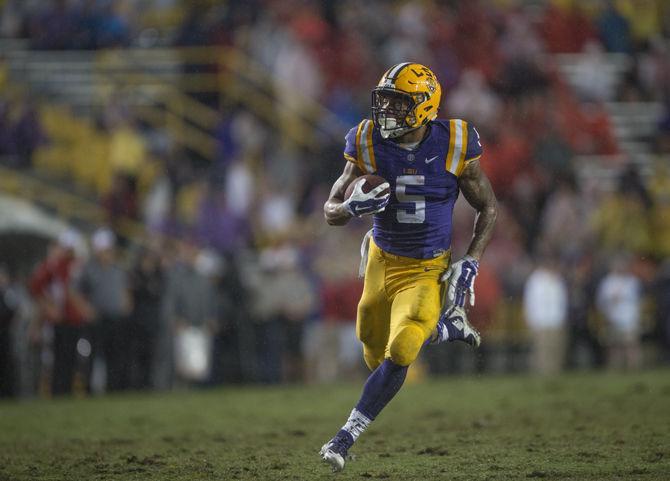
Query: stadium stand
[194, 128]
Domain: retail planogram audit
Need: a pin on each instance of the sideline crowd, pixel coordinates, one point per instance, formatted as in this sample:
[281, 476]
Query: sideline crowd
[577, 274]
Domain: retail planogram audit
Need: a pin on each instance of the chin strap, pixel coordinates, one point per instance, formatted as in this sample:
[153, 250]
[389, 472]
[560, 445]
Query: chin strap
[392, 134]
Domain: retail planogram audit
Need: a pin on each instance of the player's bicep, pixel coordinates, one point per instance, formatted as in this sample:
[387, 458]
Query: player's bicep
[476, 187]
[351, 172]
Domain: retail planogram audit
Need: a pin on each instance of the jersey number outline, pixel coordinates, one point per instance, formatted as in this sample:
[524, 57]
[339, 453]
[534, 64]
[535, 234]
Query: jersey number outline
[405, 216]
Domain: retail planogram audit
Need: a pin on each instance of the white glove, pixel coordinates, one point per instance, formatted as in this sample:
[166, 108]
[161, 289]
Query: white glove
[360, 203]
[461, 278]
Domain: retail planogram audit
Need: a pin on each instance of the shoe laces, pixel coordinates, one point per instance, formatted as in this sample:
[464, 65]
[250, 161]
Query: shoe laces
[340, 445]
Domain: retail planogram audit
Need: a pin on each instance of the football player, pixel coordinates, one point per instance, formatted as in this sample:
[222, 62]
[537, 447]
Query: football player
[426, 162]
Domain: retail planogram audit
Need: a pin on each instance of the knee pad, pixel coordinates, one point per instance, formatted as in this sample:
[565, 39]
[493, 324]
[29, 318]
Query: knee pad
[406, 345]
[374, 343]
[373, 358]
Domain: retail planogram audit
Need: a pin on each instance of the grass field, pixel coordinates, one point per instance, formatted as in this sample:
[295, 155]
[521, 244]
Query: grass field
[577, 427]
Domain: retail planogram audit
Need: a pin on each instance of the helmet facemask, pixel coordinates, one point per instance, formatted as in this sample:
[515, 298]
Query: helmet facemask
[394, 111]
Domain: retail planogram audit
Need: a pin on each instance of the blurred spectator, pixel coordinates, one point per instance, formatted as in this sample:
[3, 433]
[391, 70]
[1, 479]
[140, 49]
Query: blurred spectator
[54, 26]
[551, 152]
[127, 148]
[662, 299]
[659, 187]
[86, 32]
[234, 305]
[276, 212]
[227, 145]
[654, 70]
[410, 29]
[528, 201]
[7, 140]
[113, 27]
[619, 299]
[284, 299]
[614, 29]
[27, 339]
[8, 308]
[597, 137]
[297, 81]
[334, 351]
[106, 286]
[506, 159]
[593, 80]
[474, 40]
[190, 306]
[519, 41]
[21, 131]
[584, 346]
[157, 203]
[68, 25]
[28, 134]
[621, 221]
[473, 100]
[495, 61]
[121, 201]
[239, 189]
[148, 285]
[217, 226]
[643, 16]
[565, 27]
[62, 307]
[11, 19]
[565, 211]
[188, 201]
[545, 301]
[483, 313]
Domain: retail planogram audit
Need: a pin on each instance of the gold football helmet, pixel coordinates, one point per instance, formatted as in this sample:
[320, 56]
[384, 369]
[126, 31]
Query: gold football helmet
[407, 97]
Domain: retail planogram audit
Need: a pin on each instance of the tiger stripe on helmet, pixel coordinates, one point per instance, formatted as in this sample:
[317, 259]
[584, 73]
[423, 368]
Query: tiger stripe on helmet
[458, 146]
[388, 79]
[395, 70]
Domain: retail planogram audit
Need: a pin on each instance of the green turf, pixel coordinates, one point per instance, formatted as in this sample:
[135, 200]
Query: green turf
[577, 427]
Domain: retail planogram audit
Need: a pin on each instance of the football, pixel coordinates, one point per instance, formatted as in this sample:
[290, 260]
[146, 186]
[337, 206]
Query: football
[371, 181]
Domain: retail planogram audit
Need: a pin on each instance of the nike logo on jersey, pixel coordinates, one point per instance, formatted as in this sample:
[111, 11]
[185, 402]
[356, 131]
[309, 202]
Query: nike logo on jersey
[428, 161]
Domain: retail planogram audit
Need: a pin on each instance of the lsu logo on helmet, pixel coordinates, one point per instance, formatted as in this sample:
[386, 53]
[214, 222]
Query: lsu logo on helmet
[407, 97]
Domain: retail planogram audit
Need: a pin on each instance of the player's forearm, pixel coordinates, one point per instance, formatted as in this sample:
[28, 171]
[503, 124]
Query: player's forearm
[335, 212]
[484, 224]
[478, 192]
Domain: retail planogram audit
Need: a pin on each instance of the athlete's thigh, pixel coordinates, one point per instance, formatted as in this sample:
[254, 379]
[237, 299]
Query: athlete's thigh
[374, 308]
[418, 305]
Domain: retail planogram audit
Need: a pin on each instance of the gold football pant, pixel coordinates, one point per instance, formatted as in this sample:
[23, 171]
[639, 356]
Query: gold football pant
[400, 305]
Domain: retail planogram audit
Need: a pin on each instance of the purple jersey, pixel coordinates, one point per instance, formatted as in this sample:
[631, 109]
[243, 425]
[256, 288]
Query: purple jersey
[424, 183]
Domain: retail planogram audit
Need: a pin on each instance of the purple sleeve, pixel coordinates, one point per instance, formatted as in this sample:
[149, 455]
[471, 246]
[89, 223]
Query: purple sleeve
[350, 151]
[474, 149]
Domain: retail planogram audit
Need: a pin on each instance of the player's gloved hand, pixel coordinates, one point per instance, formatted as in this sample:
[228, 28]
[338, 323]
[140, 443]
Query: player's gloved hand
[461, 278]
[360, 203]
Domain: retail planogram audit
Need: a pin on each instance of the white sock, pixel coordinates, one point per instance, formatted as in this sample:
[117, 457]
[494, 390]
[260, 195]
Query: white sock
[356, 424]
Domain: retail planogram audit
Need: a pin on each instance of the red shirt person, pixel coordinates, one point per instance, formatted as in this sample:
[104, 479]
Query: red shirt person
[61, 306]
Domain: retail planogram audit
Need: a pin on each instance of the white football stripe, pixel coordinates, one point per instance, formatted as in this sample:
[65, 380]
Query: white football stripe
[458, 146]
[365, 148]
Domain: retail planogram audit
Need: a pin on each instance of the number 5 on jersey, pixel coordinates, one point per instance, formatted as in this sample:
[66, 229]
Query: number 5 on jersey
[417, 215]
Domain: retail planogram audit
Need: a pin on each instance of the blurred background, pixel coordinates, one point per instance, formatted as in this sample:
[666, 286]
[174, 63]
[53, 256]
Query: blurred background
[163, 166]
